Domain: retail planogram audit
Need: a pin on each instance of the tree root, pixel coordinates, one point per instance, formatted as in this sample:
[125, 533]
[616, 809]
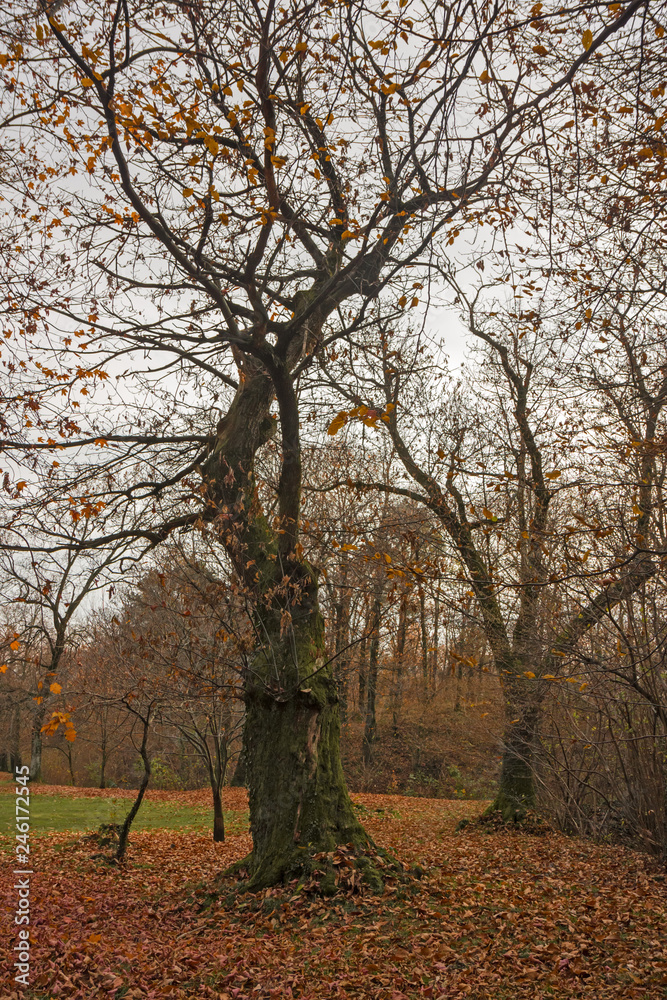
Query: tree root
[345, 870]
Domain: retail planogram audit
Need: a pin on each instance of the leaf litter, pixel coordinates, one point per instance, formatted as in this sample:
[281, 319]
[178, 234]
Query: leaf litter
[487, 913]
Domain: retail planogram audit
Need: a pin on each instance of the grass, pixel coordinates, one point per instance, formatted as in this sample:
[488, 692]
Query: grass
[57, 813]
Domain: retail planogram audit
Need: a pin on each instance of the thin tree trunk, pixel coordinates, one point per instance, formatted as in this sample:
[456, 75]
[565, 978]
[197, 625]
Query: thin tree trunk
[36, 743]
[218, 818]
[370, 727]
[129, 819]
[362, 670]
[14, 739]
[424, 641]
[459, 676]
[341, 633]
[436, 641]
[397, 680]
[239, 776]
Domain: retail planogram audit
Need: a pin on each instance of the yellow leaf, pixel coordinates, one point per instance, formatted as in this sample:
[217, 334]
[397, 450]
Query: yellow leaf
[484, 77]
[528, 673]
[584, 686]
[338, 421]
[188, 192]
[587, 39]
[87, 82]
[70, 735]
[55, 688]
[387, 557]
[15, 645]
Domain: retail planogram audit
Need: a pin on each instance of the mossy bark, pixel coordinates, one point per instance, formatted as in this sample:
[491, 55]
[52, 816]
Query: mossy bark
[516, 789]
[299, 804]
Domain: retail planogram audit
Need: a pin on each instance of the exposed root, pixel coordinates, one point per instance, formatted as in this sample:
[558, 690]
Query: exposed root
[345, 870]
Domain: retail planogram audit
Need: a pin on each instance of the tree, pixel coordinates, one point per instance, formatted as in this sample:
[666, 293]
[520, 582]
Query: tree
[196, 631]
[275, 179]
[43, 594]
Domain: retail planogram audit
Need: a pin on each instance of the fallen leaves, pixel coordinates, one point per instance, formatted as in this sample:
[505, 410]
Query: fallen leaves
[497, 914]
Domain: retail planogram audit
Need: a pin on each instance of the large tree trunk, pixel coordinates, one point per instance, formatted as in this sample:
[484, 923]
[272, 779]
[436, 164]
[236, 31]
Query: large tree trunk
[299, 804]
[516, 789]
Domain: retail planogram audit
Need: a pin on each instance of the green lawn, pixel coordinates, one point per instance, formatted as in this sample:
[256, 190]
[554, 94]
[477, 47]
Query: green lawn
[56, 812]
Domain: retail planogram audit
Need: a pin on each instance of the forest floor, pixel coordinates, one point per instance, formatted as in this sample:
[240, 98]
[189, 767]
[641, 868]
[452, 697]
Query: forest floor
[499, 915]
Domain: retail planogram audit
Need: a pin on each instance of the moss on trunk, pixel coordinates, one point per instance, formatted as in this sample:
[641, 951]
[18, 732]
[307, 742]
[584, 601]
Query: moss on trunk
[516, 789]
[299, 805]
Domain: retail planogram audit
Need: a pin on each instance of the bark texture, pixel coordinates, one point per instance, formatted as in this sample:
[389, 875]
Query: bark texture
[299, 804]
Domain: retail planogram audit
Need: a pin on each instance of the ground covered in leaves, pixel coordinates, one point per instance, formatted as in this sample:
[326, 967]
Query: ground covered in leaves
[496, 915]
